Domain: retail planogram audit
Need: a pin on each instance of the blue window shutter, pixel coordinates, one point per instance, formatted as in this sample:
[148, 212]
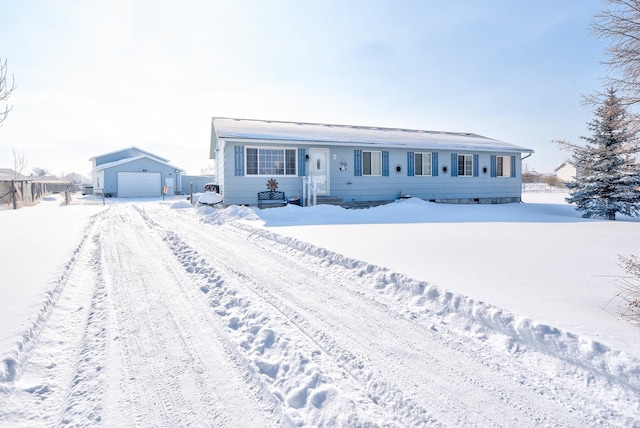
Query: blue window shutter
[410, 165]
[434, 164]
[513, 166]
[385, 163]
[454, 164]
[302, 162]
[239, 160]
[494, 165]
[476, 167]
[357, 163]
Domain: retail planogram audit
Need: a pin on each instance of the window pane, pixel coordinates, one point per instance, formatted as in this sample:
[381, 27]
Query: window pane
[376, 163]
[366, 163]
[465, 165]
[291, 162]
[423, 164]
[418, 164]
[252, 161]
[499, 166]
[267, 161]
[426, 164]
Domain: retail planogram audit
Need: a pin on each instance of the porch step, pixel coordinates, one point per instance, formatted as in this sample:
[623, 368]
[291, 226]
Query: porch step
[328, 200]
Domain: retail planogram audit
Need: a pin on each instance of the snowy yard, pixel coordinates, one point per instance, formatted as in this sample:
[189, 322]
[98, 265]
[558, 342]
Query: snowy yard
[152, 313]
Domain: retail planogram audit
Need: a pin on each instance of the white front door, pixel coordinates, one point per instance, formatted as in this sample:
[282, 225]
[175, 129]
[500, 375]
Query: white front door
[319, 169]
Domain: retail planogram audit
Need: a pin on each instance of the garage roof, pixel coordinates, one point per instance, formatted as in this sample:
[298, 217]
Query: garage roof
[127, 160]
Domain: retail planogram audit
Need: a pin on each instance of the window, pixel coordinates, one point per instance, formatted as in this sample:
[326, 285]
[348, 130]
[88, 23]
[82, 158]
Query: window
[371, 163]
[465, 165]
[262, 161]
[503, 166]
[422, 163]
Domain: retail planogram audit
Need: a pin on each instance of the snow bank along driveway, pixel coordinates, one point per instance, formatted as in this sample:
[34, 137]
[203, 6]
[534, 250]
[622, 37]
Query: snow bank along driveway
[165, 320]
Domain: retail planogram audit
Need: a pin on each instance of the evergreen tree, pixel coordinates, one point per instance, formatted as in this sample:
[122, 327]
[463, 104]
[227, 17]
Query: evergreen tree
[608, 177]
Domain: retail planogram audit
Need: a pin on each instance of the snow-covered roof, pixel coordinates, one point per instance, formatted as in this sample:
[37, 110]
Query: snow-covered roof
[278, 131]
[151, 155]
[7, 174]
[564, 164]
[131, 159]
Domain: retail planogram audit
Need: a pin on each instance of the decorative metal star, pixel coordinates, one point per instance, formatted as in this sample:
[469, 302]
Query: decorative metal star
[272, 184]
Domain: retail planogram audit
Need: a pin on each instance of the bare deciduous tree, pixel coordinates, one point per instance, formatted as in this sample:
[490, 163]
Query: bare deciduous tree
[620, 24]
[209, 169]
[40, 172]
[19, 162]
[6, 88]
[75, 178]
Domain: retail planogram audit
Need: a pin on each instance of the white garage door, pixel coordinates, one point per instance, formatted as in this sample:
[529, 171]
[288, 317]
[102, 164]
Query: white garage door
[138, 184]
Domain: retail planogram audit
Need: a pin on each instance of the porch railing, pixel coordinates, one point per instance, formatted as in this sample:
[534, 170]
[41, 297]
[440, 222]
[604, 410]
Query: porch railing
[310, 188]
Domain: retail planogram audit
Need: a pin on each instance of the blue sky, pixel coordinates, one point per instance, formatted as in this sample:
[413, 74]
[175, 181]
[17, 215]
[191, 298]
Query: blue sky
[97, 76]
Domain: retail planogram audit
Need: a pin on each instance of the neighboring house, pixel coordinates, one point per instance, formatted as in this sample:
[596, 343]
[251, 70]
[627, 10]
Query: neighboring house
[359, 164]
[566, 172]
[133, 172]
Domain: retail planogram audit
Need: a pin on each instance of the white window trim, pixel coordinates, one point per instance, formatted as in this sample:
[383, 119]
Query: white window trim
[284, 148]
[430, 164]
[372, 175]
[465, 155]
[506, 166]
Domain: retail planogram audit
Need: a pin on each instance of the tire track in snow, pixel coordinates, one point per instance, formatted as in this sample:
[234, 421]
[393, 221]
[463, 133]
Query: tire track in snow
[263, 330]
[379, 389]
[565, 361]
[63, 371]
[394, 367]
[169, 365]
[84, 401]
[581, 352]
[528, 394]
[12, 365]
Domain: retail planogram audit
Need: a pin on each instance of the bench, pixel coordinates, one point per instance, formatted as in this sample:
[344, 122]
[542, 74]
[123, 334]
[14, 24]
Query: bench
[271, 197]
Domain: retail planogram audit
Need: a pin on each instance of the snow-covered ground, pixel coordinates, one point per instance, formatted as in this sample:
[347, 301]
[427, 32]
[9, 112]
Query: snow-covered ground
[152, 313]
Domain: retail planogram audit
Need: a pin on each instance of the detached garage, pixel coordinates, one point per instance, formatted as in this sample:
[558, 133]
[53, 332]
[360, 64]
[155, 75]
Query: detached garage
[134, 173]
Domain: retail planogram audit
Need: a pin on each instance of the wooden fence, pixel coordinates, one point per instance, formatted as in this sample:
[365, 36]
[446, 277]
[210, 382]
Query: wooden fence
[17, 193]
